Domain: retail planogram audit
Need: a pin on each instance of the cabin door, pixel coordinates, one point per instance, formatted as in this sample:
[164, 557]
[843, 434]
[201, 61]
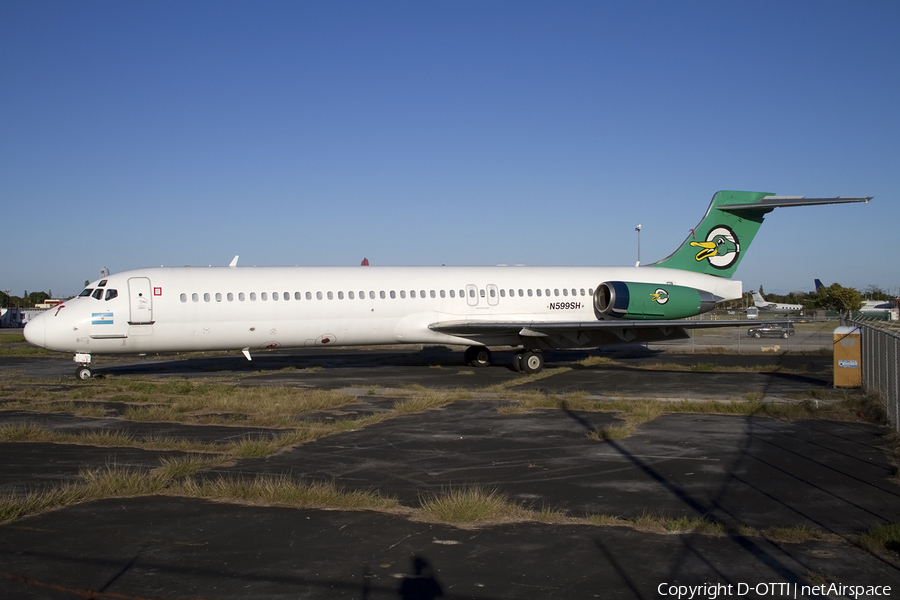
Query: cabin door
[140, 295]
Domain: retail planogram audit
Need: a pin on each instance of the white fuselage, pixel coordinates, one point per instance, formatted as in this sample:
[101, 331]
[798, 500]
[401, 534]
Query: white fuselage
[226, 308]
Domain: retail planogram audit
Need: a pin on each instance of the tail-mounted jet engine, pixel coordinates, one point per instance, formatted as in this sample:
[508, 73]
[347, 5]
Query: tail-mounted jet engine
[628, 300]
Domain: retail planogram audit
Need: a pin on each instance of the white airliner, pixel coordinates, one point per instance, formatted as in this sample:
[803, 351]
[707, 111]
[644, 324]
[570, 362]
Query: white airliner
[175, 309]
[762, 304]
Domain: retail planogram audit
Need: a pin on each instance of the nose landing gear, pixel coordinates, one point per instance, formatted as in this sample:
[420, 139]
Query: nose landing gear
[84, 371]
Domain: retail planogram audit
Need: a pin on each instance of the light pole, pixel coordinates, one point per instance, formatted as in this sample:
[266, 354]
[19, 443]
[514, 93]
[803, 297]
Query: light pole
[638, 229]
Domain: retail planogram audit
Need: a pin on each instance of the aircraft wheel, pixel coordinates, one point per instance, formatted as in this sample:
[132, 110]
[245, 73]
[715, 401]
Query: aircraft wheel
[84, 373]
[478, 356]
[532, 362]
[517, 362]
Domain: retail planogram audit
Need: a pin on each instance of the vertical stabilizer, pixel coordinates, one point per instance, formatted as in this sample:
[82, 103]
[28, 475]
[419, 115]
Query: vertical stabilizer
[717, 245]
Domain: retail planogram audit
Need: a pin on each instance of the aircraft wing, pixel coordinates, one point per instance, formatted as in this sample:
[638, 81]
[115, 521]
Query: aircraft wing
[584, 333]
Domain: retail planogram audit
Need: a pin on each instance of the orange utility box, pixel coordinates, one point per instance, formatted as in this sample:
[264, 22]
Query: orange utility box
[847, 357]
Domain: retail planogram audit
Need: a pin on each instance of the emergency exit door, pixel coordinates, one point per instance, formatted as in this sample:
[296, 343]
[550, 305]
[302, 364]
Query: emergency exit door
[140, 295]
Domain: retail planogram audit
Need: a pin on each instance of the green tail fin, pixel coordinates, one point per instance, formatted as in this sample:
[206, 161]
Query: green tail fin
[717, 245]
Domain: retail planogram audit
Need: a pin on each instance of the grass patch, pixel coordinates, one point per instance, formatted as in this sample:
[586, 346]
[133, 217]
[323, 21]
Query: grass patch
[271, 490]
[178, 468]
[177, 400]
[663, 524]
[794, 535]
[471, 505]
[530, 378]
[881, 538]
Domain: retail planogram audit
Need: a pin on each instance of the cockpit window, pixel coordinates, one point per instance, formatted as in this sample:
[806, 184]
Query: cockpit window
[102, 283]
[86, 292]
[98, 294]
[110, 294]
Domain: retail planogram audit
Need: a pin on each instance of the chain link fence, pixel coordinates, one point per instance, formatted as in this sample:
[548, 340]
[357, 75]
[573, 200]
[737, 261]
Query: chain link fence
[881, 363]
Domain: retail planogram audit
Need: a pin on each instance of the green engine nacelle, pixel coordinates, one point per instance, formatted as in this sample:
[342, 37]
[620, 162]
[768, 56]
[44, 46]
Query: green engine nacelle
[628, 300]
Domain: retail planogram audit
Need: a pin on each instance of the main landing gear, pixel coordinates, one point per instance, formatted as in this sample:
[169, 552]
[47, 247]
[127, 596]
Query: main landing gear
[525, 361]
[478, 356]
[528, 361]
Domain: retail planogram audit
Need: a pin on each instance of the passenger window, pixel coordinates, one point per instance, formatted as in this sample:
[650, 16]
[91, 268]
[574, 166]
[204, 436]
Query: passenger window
[183, 297]
[403, 294]
[538, 292]
[195, 297]
[493, 293]
[98, 294]
[350, 296]
[453, 293]
[330, 296]
[502, 293]
[442, 294]
[582, 291]
[286, 296]
[252, 296]
[218, 296]
[230, 297]
[529, 292]
[393, 294]
[297, 296]
[241, 296]
[522, 293]
[381, 294]
[574, 292]
[275, 296]
[462, 293]
[263, 296]
[110, 294]
[590, 291]
[309, 295]
[318, 295]
[341, 295]
[86, 292]
[206, 297]
[371, 295]
[565, 292]
[432, 294]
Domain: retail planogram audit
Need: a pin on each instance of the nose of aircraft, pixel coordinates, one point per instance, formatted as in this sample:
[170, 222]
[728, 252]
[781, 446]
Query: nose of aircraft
[35, 331]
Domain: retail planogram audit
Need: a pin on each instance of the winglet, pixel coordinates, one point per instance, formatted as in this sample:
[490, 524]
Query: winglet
[233, 262]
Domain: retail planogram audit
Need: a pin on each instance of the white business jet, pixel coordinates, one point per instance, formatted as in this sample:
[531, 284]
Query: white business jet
[176, 309]
[760, 302]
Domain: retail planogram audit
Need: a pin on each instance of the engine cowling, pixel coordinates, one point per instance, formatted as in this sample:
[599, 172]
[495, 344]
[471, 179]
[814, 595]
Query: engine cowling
[630, 300]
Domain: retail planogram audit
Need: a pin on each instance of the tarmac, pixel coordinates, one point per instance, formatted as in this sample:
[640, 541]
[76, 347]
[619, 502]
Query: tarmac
[832, 477]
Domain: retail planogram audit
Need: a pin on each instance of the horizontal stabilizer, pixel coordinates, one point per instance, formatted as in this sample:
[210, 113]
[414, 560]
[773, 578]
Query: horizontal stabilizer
[769, 203]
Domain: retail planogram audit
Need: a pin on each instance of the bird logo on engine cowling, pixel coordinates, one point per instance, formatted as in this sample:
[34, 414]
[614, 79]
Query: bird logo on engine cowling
[660, 296]
[721, 247]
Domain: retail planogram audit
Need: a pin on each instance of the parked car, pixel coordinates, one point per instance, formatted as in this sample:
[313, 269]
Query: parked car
[782, 330]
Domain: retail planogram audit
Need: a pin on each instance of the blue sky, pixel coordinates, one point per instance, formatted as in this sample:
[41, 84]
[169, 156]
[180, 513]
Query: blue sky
[138, 134]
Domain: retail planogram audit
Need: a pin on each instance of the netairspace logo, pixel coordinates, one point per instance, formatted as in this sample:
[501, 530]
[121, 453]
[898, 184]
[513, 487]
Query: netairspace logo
[711, 591]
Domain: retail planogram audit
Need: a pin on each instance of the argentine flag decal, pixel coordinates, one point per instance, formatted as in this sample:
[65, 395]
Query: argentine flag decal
[101, 318]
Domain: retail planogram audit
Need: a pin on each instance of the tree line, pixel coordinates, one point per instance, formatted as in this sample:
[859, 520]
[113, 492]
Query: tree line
[26, 300]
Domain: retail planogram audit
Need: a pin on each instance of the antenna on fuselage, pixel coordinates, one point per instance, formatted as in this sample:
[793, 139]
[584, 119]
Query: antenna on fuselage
[104, 272]
[233, 262]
